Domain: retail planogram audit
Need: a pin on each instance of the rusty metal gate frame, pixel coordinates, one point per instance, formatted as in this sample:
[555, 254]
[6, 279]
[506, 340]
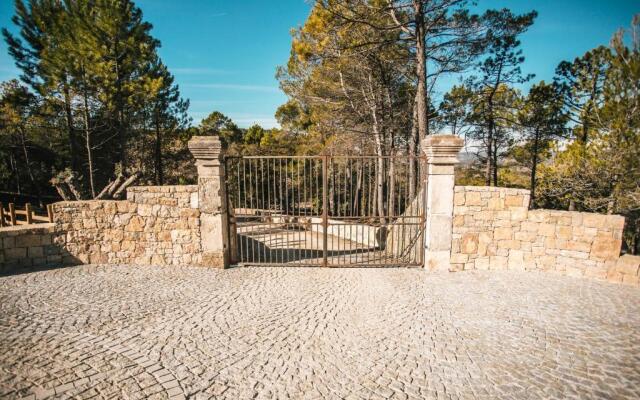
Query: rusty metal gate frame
[254, 204]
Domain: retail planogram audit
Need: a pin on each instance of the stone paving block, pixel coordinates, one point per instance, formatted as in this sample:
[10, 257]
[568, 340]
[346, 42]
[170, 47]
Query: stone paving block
[177, 332]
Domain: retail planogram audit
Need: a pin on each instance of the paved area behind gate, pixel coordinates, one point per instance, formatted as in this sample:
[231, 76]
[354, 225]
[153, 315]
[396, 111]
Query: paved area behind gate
[167, 332]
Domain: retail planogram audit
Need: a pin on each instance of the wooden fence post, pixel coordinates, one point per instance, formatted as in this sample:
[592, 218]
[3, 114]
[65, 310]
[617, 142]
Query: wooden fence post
[12, 214]
[50, 212]
[29, 213]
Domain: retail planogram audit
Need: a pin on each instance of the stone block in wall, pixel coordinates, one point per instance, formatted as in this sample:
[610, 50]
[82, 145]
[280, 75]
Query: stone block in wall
[547, 229]
[473, 199]
[631, 280]
[628, 265]
[498, 262]
[459, 258]
[27, 246]
[605, 248]
[8, 242]
[575, 270]
[509, 244]
[577, 246]
[592, 220]
[577, 255]
[16, 253]
[496, 203]
[564, 232]
[469, 243]
[485, 216]
[516, 260]
[502, 233]
[596, 272]
[525, 236]
[515, 201]
[28, 240]
[481, 263]
[529, 226]
[519, 214]
[529, 261]
[546, 262]
[458, 198]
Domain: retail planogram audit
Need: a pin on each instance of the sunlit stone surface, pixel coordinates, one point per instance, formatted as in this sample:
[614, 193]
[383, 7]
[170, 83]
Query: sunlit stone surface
[160, 332]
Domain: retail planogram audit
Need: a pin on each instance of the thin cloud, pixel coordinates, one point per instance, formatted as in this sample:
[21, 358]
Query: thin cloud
[232, 86]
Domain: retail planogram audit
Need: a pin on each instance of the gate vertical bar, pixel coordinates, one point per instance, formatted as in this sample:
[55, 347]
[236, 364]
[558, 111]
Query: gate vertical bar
[325, 215]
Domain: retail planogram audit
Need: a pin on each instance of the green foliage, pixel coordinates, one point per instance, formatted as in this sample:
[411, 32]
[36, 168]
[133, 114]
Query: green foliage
[27, 148]
[254, 134]
[293, 117]
[543, 121]
[219, 124]
[600, 172]
[581, 84]
[101, 86]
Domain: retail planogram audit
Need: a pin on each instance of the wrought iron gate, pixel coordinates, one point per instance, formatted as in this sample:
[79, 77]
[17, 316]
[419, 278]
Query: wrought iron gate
[326, 210]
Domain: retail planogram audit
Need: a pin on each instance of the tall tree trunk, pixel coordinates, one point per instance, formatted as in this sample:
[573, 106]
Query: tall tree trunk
[380, 173]
[391, 202]
[489, 160]
[87, 137]
[372, 197]
[119, 104]
[159, 173]
[71, 132]
[492, 154]
[27, 162]
[357, 197]
[495, 162]
[331, 179]
[14, 168]
[413, 152]
[392, 187]
[534, 167]
[421, 70]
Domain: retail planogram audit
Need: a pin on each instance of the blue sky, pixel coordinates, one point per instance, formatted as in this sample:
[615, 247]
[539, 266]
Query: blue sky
[224, 53]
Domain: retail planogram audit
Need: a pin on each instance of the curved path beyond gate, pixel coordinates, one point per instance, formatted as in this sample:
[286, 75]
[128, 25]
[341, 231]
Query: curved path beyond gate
[138, 332]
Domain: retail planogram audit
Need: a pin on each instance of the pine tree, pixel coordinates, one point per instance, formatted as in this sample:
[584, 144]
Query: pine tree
[499, 69]
[543, 120]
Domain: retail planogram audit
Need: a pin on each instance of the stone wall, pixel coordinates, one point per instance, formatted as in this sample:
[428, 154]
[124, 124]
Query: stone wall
[185, 196]
[494, 229]
[28, 246]
[155, 225]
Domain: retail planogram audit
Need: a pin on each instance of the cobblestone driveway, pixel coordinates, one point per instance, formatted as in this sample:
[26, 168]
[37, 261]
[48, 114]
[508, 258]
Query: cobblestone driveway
[134, 332]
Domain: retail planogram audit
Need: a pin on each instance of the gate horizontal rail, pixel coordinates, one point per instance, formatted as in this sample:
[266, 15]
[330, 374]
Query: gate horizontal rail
[327, 210]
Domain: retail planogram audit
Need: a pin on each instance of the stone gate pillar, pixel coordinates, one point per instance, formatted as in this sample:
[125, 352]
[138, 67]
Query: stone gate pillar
[442, 155]
[212, 200]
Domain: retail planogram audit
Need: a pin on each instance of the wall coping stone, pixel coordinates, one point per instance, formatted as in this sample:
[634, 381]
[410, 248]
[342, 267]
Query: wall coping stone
[460, 188]
[163, 189]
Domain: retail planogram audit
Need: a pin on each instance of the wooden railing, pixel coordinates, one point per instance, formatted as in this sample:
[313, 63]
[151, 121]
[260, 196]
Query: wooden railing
[13, 216]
